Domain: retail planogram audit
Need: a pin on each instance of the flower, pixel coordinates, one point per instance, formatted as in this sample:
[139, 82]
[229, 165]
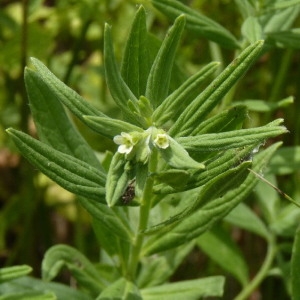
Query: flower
[125, 141]
[161, 140]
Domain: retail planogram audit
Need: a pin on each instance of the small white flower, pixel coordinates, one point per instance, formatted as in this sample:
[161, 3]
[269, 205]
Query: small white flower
[161, 140]
[125, 141]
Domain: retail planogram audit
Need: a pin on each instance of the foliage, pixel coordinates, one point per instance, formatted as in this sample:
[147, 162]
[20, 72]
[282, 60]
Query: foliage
[178, 152]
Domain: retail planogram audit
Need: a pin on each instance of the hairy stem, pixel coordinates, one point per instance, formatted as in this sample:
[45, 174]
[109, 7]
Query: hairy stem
[143, 218]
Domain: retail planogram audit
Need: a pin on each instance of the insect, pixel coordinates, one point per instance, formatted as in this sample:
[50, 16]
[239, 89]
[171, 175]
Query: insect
[129, 193]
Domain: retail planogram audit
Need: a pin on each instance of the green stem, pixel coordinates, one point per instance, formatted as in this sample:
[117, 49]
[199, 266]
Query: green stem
[143, 218]
[262, 273]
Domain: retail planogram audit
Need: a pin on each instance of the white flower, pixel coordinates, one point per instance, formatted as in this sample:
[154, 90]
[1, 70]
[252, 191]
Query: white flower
[161, 140]
[125, 141]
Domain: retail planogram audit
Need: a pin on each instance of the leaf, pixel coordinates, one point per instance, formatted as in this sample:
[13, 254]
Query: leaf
[280, 5]
[10, 273]
[111, 219]
[117, 86]
[227, 120]
[173, 177]
[30, 286]
[71, 173]
[286, 39]
[117, 179]
[81, 268]
[29, 296]
[231, 139]
[202, 219]
[198, 23]
[122, 289]
[160, 74]
[264, 106]
[218, 164]
[245, 7]
[200, 107]
[53, 125]
[177, 157]
[218, 246]
[173, 104]
[187, 289]
[225, 182]
[251, 30]
[75, 103]
[109, 127]
[136, 64]
[286, 160]
[157, 271]
[295, 267]
[243, 217]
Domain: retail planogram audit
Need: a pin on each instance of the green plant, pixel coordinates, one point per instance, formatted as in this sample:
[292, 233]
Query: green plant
[181, 166]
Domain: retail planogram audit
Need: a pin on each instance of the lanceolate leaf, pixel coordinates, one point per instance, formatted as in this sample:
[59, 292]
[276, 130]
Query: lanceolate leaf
[117, 86]
[136, 64]
[53, 125]
[231, 139]
[188, 289]
[188, 121]
[60, 256]
[71, 173]
[174, 103]
[204, 218]
[109, 127]
[75, 103]
[198, 23]
[160, 74]
[10, 273]
[295, 267]
[227, 120]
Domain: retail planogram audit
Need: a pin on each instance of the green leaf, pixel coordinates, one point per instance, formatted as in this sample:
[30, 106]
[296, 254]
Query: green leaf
[243, 217]
[286, 39]
[246, 8]
[285, 161]
[188, 289]
[136, 64]
[195, 112]
[161, 70]
[227, 120]
[280, 21]
[118, 178]
[122, 289]
[174, 177]
[225, 182]
[157, 271]
[54, 127]
[280, 5]
[197, 22]
[218, 245]
[295, 267]
[71, 173]
[213, 167]
[177, 157]
[10, 273]
[30, 286]
[264, 106]
[29, 296]
[109, 127]
[174, 103]
[75, 103]
[112, 220]
[60, 256]
[202, 219]
[117, 86]
[251, 30]
[231, 139]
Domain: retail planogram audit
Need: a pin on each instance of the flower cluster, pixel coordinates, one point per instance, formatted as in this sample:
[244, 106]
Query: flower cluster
[140, 144]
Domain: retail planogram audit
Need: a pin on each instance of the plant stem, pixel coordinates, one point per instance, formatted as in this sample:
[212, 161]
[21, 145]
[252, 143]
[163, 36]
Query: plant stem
[262, 273]
[144, 217]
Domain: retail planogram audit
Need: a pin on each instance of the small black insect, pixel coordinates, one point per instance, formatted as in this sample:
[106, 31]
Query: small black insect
[129, 193]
